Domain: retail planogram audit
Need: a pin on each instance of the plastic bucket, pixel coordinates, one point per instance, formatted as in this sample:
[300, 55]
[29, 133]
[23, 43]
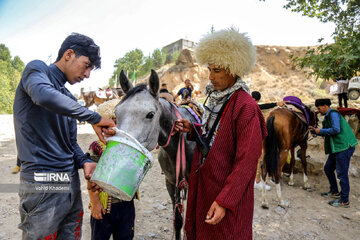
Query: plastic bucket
[122, 166]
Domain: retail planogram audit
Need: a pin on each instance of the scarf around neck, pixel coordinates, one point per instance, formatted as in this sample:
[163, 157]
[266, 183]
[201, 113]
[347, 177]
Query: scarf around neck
[216, 98]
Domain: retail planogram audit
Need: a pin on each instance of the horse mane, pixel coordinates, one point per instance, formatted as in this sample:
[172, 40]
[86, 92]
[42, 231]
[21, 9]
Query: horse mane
[307, 108]
[134, 90]
[312, 116]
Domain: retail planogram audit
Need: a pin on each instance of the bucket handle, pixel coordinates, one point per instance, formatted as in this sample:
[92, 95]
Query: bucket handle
[120, 132]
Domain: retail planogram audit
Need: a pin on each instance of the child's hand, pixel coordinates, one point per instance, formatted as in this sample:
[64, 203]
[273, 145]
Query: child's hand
[97, 211]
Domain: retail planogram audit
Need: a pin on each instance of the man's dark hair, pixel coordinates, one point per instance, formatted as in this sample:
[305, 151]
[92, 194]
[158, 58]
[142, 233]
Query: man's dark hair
[163, 85]
[82, 46]
[322, 102]
[256, 95]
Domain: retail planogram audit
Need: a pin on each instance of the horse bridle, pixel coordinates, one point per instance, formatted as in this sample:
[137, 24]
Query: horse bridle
[313, 135]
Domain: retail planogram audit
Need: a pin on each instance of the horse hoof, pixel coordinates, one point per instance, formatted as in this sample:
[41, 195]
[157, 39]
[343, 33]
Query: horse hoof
[284, 204]
[307, 188]
[265, 206]
[291, 183]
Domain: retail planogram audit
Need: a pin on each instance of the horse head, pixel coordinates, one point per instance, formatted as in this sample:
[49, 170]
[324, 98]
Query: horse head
[139, 111]
[313, 118]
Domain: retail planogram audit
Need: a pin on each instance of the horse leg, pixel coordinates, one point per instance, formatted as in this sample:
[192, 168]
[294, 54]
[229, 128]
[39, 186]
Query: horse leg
[292, 164]
[283, 157]
[178, 220]
[265, 203]
[304, 165]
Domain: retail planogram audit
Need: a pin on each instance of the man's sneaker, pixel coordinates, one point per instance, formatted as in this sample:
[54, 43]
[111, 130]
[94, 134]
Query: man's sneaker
[339, 203]
[260, 186]
[331, 195]
[15, 170]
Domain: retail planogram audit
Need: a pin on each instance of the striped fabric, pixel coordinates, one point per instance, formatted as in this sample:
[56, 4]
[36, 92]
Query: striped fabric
[228, 173]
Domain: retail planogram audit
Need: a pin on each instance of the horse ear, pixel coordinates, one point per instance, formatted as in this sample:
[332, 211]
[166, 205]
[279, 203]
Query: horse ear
[154, 83]
[125, 84]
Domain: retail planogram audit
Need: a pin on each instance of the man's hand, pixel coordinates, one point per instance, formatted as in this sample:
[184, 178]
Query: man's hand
[103, 126]
[215, 214]
[97, 211]
[314, 130]
[93, 187]
[89, 168]
[182, 125]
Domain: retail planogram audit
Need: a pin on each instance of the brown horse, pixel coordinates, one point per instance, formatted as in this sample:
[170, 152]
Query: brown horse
[285, 131]
[91, 98]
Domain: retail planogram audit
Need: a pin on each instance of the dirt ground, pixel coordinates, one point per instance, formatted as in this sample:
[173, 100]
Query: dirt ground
[308, 215]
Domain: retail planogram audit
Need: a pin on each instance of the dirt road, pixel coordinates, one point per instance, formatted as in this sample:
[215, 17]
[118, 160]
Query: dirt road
[307, 217]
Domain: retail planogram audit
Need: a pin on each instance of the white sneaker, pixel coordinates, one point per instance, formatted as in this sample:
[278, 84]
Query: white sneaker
[260, 185]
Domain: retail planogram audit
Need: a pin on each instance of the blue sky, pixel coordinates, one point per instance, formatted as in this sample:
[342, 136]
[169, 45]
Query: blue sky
[35, 29]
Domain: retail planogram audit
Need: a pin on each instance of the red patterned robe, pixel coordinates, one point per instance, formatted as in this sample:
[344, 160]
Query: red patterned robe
[228, 173]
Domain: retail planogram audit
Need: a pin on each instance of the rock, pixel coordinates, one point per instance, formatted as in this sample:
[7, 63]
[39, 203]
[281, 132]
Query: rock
[159, 206]
[345, 216]
[187, 58]
[280, 210]
[152, 235]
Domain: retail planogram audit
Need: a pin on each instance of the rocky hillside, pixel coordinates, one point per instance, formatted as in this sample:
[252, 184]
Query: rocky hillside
[274, 75]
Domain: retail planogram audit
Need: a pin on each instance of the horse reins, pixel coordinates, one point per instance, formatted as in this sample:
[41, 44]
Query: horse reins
[181, 185]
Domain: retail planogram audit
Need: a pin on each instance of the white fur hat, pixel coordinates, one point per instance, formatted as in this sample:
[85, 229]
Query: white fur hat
[227, 49]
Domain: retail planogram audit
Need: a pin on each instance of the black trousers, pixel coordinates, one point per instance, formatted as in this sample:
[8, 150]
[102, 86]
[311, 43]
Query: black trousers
[119, 222]
[343, 96]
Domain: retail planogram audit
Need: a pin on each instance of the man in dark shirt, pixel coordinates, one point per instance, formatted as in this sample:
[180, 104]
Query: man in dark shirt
[188, 86]
[45, 114]
[163, 88]
[164, 93]
[257, 96]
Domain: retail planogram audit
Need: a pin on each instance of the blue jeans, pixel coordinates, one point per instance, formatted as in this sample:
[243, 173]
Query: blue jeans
[47, 215]
[340, 162]
[119, 222]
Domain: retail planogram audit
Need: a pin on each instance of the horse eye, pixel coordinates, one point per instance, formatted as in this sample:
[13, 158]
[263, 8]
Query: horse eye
[150, 115]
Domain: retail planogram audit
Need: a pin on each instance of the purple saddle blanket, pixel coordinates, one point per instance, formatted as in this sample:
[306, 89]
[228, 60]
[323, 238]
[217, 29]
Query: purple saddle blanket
[297, 103]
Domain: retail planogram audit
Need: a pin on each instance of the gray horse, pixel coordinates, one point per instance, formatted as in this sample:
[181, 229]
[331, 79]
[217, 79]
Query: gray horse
[149, 119]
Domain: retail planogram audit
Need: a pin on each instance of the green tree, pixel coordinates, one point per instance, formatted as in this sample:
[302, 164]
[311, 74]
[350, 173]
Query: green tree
[342, 58]
[10, 74]
[135, 60]
[131, 62]
[18, 64]
[4, 53]
[158, 57]
[175, 56]
[147, 66]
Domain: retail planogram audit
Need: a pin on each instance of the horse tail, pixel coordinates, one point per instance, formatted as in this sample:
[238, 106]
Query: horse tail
[271, 155]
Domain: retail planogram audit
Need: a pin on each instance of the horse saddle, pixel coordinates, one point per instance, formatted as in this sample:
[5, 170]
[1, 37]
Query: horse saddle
[194, 108]
[297, 112]
[105, 94]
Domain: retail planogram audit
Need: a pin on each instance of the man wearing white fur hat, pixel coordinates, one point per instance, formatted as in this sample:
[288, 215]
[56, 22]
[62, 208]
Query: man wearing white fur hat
[221, 190]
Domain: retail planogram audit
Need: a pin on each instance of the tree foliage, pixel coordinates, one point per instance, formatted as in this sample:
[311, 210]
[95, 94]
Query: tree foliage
[10, 74]
[135, 60]
[342, 58]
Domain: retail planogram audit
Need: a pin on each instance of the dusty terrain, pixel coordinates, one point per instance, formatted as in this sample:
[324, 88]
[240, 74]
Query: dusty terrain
[307, 217]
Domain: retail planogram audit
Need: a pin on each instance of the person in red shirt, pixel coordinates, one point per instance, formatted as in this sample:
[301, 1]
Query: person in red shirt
[221, 184]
